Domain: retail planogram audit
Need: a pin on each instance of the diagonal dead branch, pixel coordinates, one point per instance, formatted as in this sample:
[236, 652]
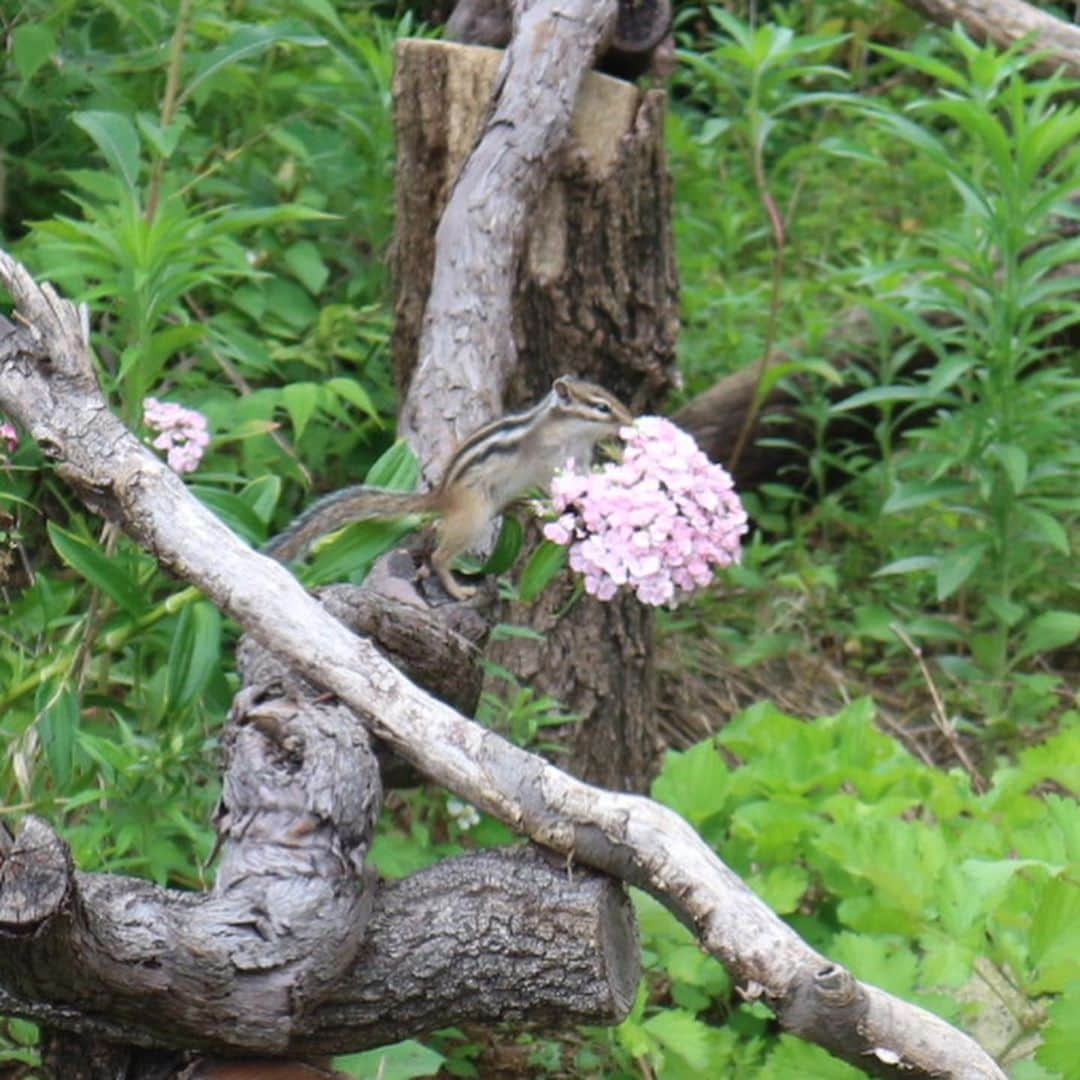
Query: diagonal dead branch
[627, 836]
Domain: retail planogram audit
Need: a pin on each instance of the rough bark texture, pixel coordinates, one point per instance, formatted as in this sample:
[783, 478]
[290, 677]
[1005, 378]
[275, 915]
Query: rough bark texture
[491, 937]
[595, 292]
[1005, 22]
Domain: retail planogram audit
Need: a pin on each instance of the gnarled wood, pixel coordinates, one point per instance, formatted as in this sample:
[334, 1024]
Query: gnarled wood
[487, 937]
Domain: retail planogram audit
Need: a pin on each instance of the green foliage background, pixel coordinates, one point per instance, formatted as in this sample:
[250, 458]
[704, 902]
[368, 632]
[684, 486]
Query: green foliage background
[221, 198]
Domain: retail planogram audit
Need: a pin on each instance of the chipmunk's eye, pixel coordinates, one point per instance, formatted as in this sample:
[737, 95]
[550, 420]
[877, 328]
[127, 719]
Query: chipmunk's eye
[602, 406]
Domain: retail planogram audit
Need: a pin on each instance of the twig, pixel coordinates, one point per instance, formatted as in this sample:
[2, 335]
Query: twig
[941, 718]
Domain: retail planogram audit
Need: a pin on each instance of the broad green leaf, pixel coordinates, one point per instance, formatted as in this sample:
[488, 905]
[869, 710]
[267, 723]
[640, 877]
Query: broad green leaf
[1046, 528]
[402, 1061]
[781, 887]
[301, 400]
[163, 140]
[682, 1034]
[544, 563]
[235, 510]
[354, 393]
[694, 782]
[793, 1057]
[1048, 631]
[115, 136]
[305, 261]
[102, 572]
[194, 655]
[1060, 1048]
[32, 46]
[507, 546]
[262, 495]
[955, 567]
[349, 552]
[396, 469]
[1054, 942]
[1014, 461]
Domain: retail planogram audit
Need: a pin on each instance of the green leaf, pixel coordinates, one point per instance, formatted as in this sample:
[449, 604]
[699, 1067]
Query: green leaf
[920, 492]
[194, 655]
[955, 567]
[912, 564]
[1054, 942]
[1060, 1047]
[781, 887]
[544, 563]
[301, 400]
[507, 547]
[234, 510]
[262, 495]
[878, 395]
[32, 46]
[396, 469]
[115, 136]
[245, 43]
[937, 70]
[1014, 461]
[350, 552]
[1046, 529]
[1051, 630]
[163, 140]
[102, 572]
[305, 261]
[682, 1034]
[694, 782]
[58, 712]
[402, 1061]
[354, 393]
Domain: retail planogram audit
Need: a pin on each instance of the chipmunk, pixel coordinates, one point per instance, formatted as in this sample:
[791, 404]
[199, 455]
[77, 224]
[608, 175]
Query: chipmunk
[493, 467]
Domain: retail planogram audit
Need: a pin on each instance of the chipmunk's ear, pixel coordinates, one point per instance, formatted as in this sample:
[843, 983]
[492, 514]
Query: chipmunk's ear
[561, 386]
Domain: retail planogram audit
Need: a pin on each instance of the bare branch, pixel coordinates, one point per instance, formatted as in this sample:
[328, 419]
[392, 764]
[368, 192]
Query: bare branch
[469, 314]
[1005, 22]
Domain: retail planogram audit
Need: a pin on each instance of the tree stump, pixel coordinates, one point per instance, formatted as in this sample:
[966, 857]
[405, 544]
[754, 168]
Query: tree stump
[596, 294]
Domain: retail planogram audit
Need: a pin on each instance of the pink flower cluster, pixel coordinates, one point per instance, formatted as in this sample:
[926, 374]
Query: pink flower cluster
[659, 521]
[10, 436]
[183, 433]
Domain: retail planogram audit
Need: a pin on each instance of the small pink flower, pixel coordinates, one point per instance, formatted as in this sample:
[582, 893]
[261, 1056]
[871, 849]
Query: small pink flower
[660, 521]
[183, 433]
[9, 435]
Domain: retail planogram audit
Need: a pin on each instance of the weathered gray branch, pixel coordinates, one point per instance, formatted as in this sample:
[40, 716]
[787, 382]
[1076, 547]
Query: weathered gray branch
[469, 315]
[1005, 22]
[47, 386]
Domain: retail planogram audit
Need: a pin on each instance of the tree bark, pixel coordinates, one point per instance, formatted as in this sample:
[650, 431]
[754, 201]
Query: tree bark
[594, 291]
[47, 386]
[491, 937]
[1005, 22]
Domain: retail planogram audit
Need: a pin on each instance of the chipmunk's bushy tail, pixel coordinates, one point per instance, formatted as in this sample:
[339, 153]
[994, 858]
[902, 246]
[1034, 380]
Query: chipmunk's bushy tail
[340, 508]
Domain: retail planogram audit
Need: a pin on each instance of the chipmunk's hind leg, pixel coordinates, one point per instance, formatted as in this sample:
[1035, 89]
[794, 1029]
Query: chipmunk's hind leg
[463, 525]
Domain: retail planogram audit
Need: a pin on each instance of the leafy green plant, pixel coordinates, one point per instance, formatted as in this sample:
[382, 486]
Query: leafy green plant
[983, 495]
[968, 904]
